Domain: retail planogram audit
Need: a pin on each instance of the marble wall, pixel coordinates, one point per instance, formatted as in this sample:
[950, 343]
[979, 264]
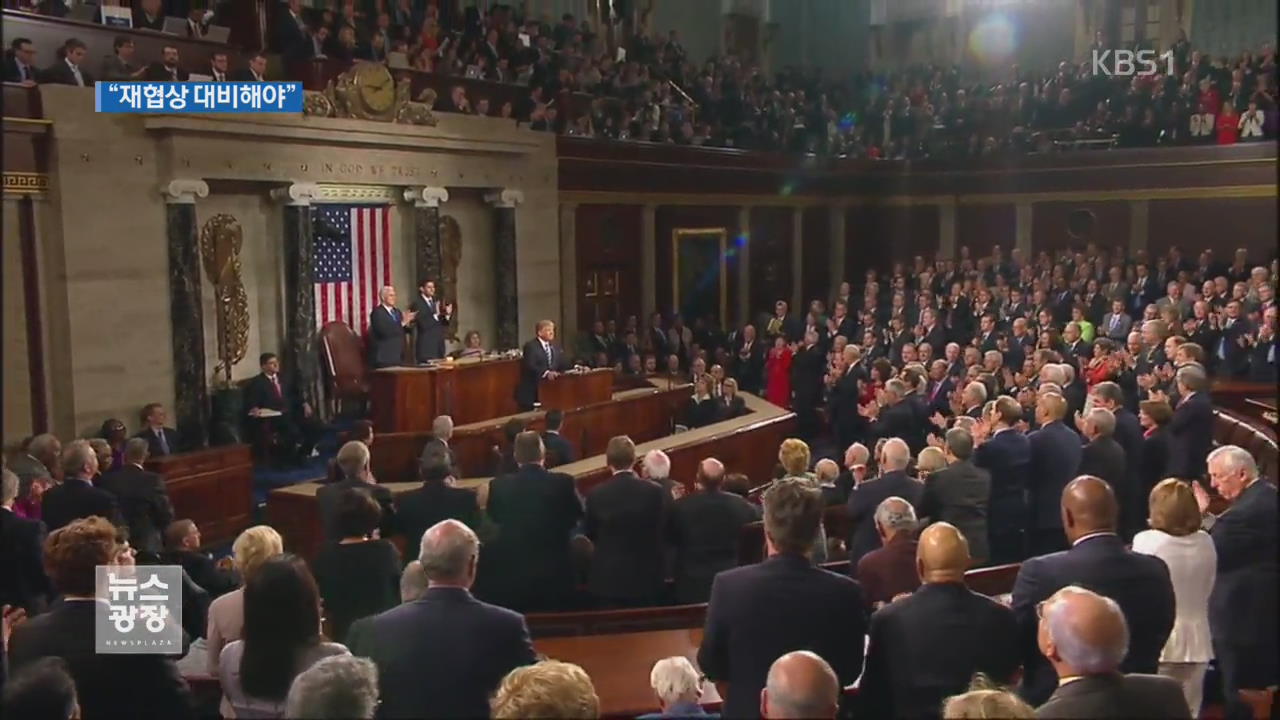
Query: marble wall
[104, 271]
[17, 393]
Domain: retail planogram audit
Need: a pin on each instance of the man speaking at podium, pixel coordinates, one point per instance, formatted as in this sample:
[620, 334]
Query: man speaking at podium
[542, 360]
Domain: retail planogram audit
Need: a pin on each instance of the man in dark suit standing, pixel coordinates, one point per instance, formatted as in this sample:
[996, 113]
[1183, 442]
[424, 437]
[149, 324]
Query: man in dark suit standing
[161, 440]
[1097, 559]
[759, 612]
[748, 362]
[167, 68]
[540, 361]
[559, 450]
[1242, 607]
[898, 418]
[1232, 350]
[958, 494]
[387, 328]
[890, 570]
[295, 428]
[927, 646]
[290, 36]
[1055, 460]
[1084, 637]
[536, 511]
[23, 582]
[143, 501]
[1103, 457]
[76, 497]
[434, 501]
[436, 451]
[806, 384]
[624, 518]
[432, 317]
[783, 323]
[867, 496]
[1191, 428]
[446, 651]
[353, 462]
[69, 69]
[704, 530]
[842, 405]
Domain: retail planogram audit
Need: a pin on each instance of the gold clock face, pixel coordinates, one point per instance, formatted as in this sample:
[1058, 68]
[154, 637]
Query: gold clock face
[377, 89]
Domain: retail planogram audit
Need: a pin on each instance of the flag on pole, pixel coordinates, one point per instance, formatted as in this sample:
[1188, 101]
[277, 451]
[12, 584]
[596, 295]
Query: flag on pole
[352, 257]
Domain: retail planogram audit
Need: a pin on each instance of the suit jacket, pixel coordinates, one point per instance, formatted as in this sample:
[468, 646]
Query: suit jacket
[386, 337]
[107, 686]
[863, 501]
[243, 75]
[758, 613]
[417, 510]
[1140, 584]
[430, 324]
[203, 571]
[60, 73]
[1232, 359]
[328, 496]
[959, 494]
[530, 564]
[749, 372]
[1105, 458]
[728, 409]
[1118, 696]
[115, 68]
[13, 74]
[157, 72]
[75, 499]
[533, 365]
[901, 421]
[1119, 333]
[704, 529]
[437, 451]
[141, 22]
[23, 582]
[559, 451]
[624, 518]
[926, 647]
[443, 654]
[1190, 436]
[1055, 461]
[1242, 607]
[887, 571]
[154, 448]
[144, 505]
[261, 393]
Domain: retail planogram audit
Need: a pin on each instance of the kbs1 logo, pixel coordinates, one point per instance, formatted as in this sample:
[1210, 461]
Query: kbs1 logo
[1131, 63]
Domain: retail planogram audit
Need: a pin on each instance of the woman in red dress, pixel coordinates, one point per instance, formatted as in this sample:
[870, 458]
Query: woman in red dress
[778, 373]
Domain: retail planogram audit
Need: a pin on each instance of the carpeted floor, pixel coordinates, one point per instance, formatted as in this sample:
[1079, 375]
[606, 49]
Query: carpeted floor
[267, 478]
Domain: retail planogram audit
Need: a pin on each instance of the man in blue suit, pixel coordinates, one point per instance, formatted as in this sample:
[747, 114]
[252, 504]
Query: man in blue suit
[1006, 455]
[1097, 560]
[1055, 460]
[444, 654]
[1191, 428]
[1242, 607]
[387, 328]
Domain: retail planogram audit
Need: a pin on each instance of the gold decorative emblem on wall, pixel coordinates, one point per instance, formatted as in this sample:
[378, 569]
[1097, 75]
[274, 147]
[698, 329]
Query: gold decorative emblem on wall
[220, 241]
[450, 259]
[368, 91]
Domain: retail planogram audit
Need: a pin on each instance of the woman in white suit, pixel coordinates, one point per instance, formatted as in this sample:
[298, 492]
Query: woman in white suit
[1175, 537]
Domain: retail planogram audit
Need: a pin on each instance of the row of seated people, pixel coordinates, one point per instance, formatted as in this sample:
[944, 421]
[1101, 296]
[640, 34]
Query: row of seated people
[1182, 595]
[71, 67]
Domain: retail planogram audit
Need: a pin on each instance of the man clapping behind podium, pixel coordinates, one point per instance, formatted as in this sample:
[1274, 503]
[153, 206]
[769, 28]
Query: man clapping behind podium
[542, 361]
[387, 326]
[432, 317]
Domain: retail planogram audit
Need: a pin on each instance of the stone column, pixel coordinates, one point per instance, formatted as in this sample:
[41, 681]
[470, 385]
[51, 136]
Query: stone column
[649, 262]
[190, 389]
[1022, 229]
[507, 309]
[569, 268]
[947, 229]
[299, 353]
[1139, 221]
[838, 215]
[744, 266]
[797, 261]
[428, 258]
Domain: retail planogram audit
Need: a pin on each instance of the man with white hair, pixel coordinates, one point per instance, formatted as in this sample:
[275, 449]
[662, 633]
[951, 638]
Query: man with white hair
[21, 560]
[1085, 638]
[656, 466]
[1243, 607]
[890, 570]
[336, 688]
[77, 497]
[848, 422]
[353, 463]
[437, 450]
[1052, 373]
[387, 328]
[800, 685]
[973, 398]
[447, 650]
[678, 686]
[892, 416]
[1103, 457]
[867, 496]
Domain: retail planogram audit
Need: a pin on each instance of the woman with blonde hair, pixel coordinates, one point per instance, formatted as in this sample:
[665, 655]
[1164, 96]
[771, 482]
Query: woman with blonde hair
[794, 457]
[1176, 538]
[252, 548]
[984, 700]
[549, 689]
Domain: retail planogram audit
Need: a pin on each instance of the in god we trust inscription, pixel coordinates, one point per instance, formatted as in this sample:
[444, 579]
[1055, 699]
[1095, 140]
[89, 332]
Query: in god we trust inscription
[139, 610]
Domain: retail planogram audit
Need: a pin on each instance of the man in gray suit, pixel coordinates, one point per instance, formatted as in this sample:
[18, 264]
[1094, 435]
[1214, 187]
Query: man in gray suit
[437, 451]
[1117, 323]
[1084, 637]
[958, 494]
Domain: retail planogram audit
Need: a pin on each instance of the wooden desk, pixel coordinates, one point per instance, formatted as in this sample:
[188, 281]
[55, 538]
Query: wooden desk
[407, 399]
[571, 390]
[619, 665]
[213, 487]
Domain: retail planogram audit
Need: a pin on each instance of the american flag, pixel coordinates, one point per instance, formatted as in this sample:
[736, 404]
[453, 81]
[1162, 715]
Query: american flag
[352, 262]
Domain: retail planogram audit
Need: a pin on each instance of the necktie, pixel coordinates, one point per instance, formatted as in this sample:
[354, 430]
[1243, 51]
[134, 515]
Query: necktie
[275, 383]
[1115, 321]
[23, 73]
[79, 78]
[546, 347]
[164, 444]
